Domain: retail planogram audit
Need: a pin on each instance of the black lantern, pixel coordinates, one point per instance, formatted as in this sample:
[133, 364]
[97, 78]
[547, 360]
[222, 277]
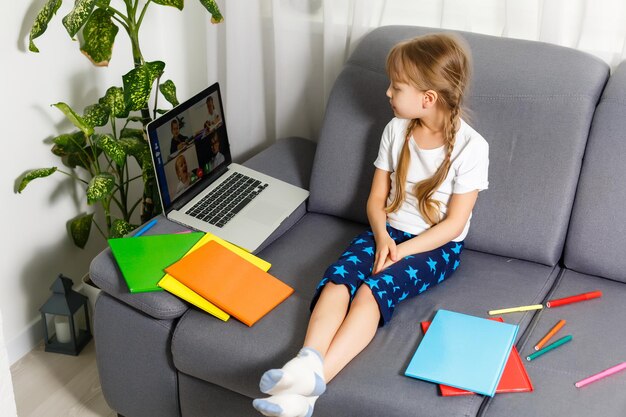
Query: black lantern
[66, 312]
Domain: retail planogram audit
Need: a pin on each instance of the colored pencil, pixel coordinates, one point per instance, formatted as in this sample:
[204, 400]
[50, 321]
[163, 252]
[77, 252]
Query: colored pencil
[593, 378]
[573, 299]
[548, 348]
[145, 228]
[516, 309]
[551, 333]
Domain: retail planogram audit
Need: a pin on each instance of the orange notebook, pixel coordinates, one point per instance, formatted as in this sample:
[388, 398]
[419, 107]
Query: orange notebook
[514, 377]
[230, 282]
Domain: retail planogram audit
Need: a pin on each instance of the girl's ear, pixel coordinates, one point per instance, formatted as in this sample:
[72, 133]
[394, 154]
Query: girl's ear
[430, 98]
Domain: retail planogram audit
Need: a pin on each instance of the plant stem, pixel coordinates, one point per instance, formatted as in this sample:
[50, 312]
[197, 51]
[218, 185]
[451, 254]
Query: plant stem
[73, 176]
[143, 12]
[99, 229]
[156, 98]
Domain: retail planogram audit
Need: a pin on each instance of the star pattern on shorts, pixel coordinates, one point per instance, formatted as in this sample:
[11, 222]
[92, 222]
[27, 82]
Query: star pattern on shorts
[457, 248]
[445, 255]
[340, 270]
[354, 259]
[412, 272]
[432, 265]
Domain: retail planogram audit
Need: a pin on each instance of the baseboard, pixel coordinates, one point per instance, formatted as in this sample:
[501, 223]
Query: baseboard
[26, 341]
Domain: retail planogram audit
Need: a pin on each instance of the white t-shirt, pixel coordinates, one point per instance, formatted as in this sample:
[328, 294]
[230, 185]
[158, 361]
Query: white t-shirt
[470, 164]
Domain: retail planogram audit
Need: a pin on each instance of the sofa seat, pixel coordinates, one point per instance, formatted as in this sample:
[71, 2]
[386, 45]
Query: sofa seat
[591, 350]
[243, 354]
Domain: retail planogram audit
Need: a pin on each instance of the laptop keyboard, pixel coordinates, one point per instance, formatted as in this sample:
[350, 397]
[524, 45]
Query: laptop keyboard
[222, 203]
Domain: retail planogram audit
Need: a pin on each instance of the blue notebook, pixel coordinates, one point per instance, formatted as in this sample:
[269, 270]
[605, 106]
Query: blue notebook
[463, 351]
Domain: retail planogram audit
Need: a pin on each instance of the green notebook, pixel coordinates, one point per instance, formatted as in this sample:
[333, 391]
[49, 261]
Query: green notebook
[142, 259]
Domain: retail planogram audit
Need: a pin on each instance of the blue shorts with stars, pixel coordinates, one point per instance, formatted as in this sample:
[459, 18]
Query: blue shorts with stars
[406, 278]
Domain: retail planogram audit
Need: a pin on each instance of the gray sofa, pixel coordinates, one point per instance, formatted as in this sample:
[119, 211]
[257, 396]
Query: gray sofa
[550, 225]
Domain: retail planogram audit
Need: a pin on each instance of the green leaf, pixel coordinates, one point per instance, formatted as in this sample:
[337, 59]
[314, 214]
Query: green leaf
[96, 115]
[213, 8]
[120, 228]
[111, 148]
[34, 174]
[75, 118]
[98, 37]
[41, 22]
[114, 100]
[179, 4]
[79, 229]
[82, 158]
[133, 146]
[129, 132]
[168, 89]
[100, 187]
[78, 16]
[138, 84]
[69, 143]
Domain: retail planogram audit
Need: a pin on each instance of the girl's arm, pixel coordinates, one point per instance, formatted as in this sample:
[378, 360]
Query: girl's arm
[385, 246]
[459, 210]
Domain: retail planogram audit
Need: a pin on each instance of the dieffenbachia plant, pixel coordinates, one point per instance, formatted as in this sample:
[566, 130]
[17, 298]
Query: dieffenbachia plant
[99, 160]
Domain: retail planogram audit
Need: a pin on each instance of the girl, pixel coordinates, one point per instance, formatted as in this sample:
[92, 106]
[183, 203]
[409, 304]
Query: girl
[429, 170]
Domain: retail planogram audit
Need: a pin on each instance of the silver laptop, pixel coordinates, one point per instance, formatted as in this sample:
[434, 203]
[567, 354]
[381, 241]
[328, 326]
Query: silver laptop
[201, 188]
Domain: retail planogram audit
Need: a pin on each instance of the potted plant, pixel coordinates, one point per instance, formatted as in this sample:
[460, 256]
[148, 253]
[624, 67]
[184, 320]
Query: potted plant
[109, 134]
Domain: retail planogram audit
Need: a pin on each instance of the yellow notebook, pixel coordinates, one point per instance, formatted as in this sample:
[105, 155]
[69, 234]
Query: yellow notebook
[172, 285]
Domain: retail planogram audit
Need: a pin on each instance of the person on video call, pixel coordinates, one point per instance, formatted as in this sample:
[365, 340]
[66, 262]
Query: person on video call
[216, 156]
[178, 140]
[182, 173]
[214, 117]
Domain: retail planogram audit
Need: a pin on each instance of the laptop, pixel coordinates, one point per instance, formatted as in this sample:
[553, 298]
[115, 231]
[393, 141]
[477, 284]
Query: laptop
[199, 185]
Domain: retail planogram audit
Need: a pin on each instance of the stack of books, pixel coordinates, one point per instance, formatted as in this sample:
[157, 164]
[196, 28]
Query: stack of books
[202, 269]
[466, 354]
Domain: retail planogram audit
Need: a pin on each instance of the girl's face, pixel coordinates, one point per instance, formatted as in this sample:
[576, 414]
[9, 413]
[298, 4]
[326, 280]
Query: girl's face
[406, 100]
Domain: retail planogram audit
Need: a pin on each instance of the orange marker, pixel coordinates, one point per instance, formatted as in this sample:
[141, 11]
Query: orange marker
[551, 333]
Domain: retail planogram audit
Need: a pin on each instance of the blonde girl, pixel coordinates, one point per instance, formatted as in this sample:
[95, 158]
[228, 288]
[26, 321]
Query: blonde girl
[430, 167]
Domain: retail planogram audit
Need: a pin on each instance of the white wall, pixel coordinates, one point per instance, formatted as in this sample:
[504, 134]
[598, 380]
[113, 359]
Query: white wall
[35, 245]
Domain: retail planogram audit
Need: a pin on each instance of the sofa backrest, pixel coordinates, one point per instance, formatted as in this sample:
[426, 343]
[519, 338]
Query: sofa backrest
[533, 102]
[597, 235]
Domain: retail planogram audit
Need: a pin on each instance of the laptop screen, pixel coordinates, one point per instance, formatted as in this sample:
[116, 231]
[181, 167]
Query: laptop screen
[188, 143]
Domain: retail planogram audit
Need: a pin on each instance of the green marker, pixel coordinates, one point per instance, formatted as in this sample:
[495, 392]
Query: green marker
[548, 348]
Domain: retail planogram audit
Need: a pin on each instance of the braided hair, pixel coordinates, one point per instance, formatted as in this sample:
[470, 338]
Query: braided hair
[441, 63]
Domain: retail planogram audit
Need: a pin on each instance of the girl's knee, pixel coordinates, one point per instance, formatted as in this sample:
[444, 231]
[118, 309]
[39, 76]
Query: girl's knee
[364, 295]
[331, 288]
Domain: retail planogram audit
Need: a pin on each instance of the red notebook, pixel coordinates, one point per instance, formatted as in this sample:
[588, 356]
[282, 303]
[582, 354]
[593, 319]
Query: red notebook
[514, 377]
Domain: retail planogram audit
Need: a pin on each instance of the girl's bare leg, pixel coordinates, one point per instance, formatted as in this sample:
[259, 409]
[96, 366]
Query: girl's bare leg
[354, 334]
[328, 314]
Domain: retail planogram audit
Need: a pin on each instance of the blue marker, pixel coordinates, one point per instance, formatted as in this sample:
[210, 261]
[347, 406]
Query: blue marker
[145, 228]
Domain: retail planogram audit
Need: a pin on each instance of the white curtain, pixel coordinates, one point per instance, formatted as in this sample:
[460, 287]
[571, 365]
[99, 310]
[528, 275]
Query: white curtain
[279, 58]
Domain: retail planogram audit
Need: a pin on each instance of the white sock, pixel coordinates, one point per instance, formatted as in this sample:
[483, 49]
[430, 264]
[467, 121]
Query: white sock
[302, 375]
[285, 405]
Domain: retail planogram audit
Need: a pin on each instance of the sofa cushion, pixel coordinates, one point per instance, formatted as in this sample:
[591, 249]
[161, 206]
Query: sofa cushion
[532, 102]
[237, 361]
[598, 343]
[595, 241]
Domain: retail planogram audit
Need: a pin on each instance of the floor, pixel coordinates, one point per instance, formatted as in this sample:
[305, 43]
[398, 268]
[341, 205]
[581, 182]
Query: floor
[54, 385]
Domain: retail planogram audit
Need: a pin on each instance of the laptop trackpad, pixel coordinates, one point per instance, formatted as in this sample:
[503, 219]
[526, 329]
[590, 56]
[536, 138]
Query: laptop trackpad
[265, 213]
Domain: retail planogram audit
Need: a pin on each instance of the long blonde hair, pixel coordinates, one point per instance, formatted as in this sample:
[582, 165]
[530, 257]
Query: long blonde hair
[438, 62]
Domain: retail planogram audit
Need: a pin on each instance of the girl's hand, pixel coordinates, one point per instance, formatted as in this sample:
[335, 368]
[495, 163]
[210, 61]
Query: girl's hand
[386, 253]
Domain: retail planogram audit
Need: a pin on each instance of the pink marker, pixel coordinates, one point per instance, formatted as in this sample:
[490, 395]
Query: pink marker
[593, 378]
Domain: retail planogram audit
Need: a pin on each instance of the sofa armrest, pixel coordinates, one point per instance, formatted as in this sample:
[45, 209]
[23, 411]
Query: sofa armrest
[290, 160]
[105, 273]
